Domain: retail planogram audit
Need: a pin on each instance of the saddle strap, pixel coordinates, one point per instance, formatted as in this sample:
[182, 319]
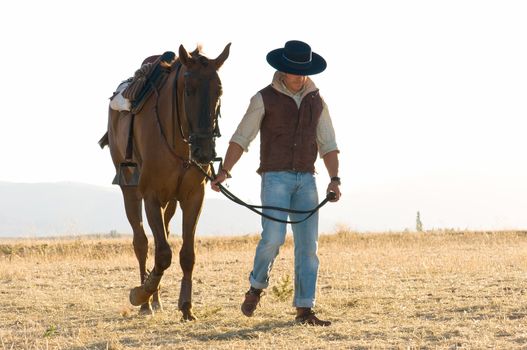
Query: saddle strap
[130, 143]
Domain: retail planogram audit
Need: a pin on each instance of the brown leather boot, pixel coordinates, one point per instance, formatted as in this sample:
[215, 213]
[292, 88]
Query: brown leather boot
[252, 298]
[306, 315]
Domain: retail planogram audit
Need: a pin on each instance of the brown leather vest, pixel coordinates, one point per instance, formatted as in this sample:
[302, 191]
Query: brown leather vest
[288, 133]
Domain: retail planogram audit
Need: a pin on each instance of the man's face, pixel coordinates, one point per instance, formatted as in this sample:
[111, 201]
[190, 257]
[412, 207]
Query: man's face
[294, 82]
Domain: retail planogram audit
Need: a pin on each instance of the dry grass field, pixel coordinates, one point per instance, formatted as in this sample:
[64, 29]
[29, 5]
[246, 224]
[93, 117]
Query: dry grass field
[436, 290]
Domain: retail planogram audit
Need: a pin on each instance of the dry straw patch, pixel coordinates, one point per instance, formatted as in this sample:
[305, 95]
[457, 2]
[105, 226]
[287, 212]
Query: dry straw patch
[444, 290]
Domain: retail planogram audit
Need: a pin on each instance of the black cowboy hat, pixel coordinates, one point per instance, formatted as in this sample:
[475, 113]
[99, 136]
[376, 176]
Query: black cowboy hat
[296, 58]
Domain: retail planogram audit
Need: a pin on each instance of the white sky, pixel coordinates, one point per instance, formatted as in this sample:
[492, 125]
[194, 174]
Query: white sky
[427, 97]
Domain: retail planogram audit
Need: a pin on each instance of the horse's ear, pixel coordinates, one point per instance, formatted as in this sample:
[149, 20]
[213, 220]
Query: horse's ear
[223, 56]
[184, 56]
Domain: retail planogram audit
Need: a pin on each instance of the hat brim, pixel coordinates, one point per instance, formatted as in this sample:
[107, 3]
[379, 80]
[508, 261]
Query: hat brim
[276, 59]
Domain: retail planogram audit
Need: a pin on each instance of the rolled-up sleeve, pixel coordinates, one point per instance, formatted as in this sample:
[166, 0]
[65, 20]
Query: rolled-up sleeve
[326, 139]
[250, 123]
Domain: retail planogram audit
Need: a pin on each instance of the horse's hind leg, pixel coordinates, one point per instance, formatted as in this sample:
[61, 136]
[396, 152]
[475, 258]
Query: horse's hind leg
[170, 210]
[133, 207]
[187, 255]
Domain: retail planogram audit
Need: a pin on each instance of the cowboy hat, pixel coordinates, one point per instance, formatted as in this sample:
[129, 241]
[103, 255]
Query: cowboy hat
[296, 58]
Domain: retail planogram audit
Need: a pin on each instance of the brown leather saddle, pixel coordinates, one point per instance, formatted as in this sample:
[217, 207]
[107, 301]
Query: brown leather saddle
[148, 79]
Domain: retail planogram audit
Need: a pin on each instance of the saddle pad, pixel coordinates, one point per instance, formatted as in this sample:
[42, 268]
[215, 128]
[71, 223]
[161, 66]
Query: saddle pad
[118, 102]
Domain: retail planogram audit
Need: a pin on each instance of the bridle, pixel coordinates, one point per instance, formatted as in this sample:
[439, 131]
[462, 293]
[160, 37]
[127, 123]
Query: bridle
[203, 121]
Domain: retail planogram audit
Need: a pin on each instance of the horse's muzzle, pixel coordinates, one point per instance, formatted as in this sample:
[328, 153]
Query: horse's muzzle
[203, 152]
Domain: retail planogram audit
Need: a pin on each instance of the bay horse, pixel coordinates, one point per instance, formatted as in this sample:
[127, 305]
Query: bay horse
[173, 148]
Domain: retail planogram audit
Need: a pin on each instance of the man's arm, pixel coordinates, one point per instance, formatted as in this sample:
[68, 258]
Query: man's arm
[243, 136]
[233, 155]
[331, 160]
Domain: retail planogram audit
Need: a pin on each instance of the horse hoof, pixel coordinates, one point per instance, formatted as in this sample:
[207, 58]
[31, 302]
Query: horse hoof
[157, 306]
[146, 310]
[186, 309]
[138, 296]
[189, 316]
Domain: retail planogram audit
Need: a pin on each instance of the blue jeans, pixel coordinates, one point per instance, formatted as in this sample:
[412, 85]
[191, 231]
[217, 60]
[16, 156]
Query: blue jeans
[295, 190]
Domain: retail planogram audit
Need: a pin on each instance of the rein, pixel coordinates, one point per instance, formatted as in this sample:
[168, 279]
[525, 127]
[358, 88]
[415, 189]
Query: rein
[175, 103]
[254, 208]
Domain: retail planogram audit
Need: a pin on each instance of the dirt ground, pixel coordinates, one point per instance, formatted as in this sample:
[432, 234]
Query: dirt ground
[446, 290]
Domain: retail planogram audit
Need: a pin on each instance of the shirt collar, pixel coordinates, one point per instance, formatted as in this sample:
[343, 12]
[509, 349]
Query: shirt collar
[279, 85]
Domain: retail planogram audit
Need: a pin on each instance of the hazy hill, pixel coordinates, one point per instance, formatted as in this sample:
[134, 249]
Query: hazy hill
[64, 208]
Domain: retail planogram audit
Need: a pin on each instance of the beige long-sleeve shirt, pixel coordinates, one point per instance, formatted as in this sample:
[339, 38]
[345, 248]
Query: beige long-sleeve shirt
[251, 121]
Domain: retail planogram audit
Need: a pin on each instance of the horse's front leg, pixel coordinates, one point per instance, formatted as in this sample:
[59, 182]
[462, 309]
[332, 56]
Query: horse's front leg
[191, 210]
[133, 207]
[163, 253]
[169, 212]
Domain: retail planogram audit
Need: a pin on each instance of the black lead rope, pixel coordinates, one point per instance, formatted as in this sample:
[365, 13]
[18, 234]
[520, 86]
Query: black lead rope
[254, 208]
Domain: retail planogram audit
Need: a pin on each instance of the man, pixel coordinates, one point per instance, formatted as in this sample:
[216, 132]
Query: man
[294, 124]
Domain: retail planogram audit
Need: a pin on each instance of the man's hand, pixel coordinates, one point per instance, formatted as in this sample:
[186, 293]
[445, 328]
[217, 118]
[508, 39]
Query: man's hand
[334, 187]
[222, 175]
[234, 152]
[331, 160]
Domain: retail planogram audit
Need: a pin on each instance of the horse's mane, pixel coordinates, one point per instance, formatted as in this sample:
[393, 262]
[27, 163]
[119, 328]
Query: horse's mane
[198, 50]
[197, 54]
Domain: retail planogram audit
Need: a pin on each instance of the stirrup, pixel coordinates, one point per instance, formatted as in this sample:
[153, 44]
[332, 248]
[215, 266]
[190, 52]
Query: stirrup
[127, 167]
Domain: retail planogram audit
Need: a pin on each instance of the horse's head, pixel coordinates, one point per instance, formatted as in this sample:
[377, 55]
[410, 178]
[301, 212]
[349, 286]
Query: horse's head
[201, 99]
